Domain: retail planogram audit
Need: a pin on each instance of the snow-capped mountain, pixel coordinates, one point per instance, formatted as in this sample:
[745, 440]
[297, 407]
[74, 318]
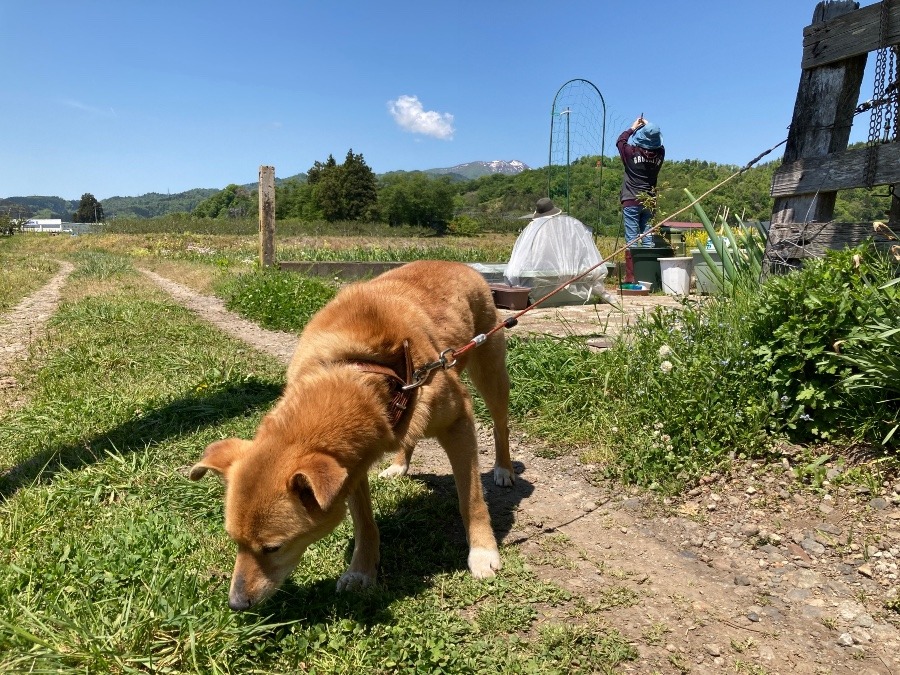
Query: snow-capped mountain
[476, 169]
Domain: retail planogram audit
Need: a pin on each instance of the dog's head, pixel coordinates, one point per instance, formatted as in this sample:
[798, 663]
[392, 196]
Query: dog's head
[273, 513]
[288, 487]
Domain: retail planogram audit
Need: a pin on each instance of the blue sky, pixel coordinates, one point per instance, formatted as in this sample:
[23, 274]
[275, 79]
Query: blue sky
[122, 98]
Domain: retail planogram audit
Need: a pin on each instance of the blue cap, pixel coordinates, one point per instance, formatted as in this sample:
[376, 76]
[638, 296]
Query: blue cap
[648, 137]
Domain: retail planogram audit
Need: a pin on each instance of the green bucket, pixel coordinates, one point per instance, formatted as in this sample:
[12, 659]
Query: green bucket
[646, 264]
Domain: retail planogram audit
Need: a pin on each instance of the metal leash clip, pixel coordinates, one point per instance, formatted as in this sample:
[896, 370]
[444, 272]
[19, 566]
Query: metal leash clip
[420, 375]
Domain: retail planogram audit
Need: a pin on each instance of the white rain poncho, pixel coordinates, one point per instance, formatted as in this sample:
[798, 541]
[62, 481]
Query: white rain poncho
[552, 249]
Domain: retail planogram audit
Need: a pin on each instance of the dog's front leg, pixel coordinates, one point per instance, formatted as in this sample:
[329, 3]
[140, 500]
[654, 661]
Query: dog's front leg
[366, 541]
[400, 465]
[461, 445]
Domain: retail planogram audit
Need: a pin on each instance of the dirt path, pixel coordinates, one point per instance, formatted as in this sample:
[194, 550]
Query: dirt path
[213, 310]
[744, 574]
[22, 326]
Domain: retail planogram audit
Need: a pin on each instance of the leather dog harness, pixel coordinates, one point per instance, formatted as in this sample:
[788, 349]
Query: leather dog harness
[400, 393]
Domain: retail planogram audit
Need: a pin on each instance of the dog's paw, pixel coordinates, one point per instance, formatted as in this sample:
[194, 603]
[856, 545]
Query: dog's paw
[394, 471]
[484, 562]
[354, 581]
[503, 477]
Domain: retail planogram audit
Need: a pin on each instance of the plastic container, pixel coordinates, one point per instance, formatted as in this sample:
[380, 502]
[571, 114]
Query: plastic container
[709, 279]
[492, 272]
[510, 297]
[676, 275]
[646, 264]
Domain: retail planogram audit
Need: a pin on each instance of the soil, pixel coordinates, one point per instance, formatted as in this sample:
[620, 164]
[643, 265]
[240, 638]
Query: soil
[749, 572]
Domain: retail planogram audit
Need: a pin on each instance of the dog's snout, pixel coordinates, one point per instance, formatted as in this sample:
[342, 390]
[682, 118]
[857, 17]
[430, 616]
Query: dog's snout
[238, 603]
[238, 600]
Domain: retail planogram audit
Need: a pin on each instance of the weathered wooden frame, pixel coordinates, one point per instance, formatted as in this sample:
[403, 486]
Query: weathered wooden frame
[817, 162]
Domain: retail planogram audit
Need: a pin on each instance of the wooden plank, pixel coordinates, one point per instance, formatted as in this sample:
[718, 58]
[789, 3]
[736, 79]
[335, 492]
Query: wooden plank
[849, 35]
[837, 171]
[790, 243]
[266, 215]
[823, 115]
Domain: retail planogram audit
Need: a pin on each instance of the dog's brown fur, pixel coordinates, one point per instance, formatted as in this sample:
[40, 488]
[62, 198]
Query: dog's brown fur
[292, 483]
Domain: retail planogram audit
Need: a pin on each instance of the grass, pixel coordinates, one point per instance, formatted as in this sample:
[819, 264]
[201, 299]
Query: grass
[112, 561]
[21, 273]
[659, 408]
[275, 299]
[668, 402]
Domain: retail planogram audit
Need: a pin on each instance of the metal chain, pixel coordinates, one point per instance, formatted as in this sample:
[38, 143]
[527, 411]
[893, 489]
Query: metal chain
[892, 131]
[877, 117]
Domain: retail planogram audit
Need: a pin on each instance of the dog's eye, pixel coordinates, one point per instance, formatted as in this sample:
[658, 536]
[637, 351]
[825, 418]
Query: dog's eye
[270, 549]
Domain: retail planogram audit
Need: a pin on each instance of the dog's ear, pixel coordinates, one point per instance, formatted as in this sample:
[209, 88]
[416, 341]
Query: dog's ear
[318, 482]
[218, 458]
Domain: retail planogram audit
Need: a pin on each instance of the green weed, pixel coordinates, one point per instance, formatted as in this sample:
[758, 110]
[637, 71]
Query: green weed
[797, 329]
[274, 299]
[101, 265]
[668, 402]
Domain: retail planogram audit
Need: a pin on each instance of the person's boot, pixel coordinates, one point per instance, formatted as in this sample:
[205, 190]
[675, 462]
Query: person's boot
[629, 267]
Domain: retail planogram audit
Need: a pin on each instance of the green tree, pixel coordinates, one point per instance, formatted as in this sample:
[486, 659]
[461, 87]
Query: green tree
[232, 202]
[89, 210]
[417, 199]
[359, 188]
[347, 191]
[327, 191]
[314, 175]
[294, 199]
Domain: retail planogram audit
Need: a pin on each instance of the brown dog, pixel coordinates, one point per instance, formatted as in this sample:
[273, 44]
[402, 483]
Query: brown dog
[343, 408]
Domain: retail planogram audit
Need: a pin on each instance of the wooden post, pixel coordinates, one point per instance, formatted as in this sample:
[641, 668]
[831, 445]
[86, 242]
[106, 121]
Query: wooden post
[823, 114]
[266, 216]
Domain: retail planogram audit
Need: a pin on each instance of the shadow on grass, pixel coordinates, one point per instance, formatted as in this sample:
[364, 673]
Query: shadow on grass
[183, 415]
[422, 538]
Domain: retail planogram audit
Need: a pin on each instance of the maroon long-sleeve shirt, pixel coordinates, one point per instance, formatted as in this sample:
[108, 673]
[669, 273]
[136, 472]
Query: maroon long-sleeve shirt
[641, 168]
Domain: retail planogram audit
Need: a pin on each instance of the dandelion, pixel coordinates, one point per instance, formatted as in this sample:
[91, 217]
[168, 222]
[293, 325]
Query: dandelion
[664, 351]
[666, 367]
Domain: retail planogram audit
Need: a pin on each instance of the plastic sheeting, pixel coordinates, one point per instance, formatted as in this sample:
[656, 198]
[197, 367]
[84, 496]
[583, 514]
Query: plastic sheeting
[550, 250]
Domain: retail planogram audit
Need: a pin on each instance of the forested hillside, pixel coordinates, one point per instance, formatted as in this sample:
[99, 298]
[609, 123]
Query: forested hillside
[155, 204]
[588, 189]
[591, 192]
[38, 207]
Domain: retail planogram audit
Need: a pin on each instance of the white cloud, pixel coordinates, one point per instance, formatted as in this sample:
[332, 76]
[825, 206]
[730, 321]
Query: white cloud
[91, 110]
[409, 114]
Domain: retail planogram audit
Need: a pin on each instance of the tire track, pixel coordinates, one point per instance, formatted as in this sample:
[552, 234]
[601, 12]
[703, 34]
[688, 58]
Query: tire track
[211, 309]
[25, 323]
